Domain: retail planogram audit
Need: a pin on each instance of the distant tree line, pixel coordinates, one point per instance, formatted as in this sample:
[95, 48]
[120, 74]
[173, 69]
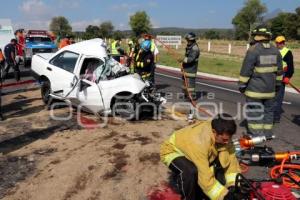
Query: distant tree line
[139, 23]
[246, 19]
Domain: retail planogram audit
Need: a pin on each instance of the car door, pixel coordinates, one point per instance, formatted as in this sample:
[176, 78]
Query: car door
[61, 73]
[87, 93]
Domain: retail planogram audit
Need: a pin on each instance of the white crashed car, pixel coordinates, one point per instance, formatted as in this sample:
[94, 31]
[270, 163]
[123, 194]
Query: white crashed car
[84, 75]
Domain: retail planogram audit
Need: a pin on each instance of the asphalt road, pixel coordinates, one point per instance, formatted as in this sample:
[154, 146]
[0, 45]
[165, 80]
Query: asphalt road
[227, 98]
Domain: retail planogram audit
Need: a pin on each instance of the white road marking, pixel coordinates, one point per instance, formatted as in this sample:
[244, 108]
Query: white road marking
[214, 86]
[287, 102]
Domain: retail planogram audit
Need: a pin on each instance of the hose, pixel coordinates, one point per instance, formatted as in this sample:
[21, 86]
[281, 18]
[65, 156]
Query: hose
[244, 167]
[290, 173]
[295, 88]
[186, 85]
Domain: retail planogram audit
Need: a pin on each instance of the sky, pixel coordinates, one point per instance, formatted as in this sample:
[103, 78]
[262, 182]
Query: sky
[37, 14]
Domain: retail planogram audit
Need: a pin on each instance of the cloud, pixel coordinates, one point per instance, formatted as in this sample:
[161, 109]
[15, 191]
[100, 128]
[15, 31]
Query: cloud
[74, 4]
[152, 4]
[155, 23]
[124, 7]
[122, 26]
[36, 9]
[81, 25]
[32, 24]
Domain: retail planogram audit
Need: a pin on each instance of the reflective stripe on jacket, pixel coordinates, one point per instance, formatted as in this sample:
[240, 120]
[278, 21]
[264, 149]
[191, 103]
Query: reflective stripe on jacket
[261, 71]
[196, 143]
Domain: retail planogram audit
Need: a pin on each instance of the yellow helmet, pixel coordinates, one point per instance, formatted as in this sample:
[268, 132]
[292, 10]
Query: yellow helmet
[280, 39]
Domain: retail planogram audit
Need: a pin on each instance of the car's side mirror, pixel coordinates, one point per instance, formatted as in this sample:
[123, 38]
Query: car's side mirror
[83, 85]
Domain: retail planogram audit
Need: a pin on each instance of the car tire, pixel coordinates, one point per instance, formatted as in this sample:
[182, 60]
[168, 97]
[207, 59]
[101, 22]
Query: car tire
[124, 107]
[45, 92]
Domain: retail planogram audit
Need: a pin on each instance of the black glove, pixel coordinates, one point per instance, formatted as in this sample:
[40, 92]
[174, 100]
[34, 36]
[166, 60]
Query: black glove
[231, 194]
[242, 89]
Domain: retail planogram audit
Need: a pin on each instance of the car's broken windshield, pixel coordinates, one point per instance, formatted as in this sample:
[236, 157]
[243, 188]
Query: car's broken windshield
[96, 70]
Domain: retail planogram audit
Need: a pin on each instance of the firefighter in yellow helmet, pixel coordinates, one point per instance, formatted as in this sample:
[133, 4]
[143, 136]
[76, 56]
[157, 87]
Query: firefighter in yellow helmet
[288, 71]
[260, 77]
[202, 158]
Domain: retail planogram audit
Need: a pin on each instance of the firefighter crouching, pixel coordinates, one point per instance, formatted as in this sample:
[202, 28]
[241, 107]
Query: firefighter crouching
[202, 158]
[190, 65]
[144, 61]
[260, 77]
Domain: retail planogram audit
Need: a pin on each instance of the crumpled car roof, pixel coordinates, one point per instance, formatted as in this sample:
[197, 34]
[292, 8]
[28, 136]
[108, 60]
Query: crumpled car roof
[94, 47]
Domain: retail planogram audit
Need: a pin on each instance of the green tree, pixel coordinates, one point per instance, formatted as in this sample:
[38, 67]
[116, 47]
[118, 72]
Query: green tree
[287, 24]
[212, 34]
[60, 26]
[278, 24]
[140, 23]
[247, 17]
[292, 26]
[106, 29]
[118, 35]
[298, 11]
[91, 32]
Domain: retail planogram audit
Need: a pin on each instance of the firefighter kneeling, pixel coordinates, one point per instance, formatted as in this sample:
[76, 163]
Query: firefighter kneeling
[144, 61]
[202, 158]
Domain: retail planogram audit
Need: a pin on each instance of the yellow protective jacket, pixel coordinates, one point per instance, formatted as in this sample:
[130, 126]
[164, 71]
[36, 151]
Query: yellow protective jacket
[197, 143]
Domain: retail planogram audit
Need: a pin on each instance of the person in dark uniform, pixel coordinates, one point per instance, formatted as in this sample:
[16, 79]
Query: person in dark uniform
[2, 63]
[190, 64]
[144, 61]
[260, 77]
[10, 57]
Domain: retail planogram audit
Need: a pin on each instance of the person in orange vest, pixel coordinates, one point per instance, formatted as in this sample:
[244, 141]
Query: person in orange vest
[288, 71]
[65, 42]
[2, 61]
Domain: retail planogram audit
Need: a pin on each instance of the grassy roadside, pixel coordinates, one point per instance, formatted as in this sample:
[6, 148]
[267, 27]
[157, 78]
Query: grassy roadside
[216, 64]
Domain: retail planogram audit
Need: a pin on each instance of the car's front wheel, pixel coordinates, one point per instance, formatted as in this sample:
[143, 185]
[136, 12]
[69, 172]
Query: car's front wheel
[45, 92]
[125, 107]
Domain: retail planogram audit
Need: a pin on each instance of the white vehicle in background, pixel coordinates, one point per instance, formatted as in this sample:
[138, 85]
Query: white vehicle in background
[6, 32]
[82, 74]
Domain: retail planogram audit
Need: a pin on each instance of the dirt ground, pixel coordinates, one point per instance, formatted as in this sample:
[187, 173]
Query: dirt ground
[61, 160]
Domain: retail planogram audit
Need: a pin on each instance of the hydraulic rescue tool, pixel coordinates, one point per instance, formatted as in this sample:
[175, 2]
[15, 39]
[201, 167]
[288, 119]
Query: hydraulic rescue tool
[246, 142]
[265, 156]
